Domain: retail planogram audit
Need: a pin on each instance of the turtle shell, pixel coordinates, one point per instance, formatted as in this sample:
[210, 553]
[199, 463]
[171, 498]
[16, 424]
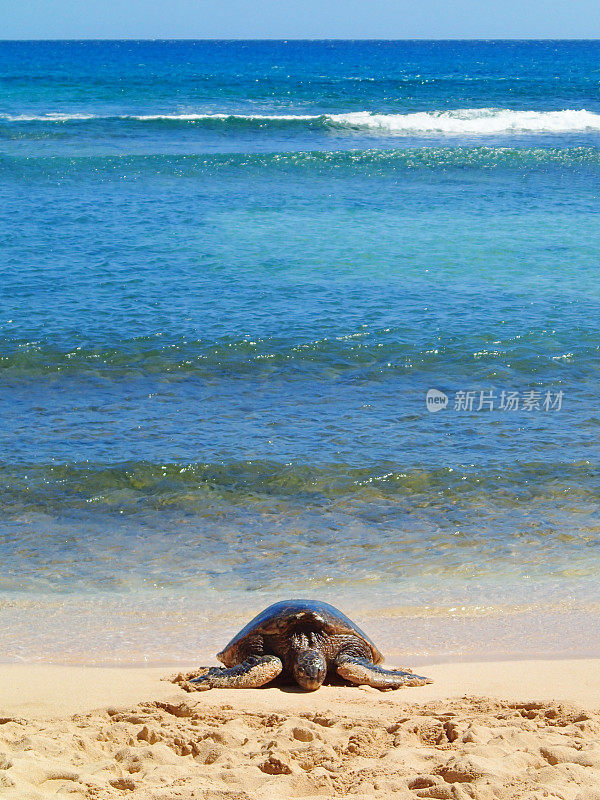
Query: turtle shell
[284, 616]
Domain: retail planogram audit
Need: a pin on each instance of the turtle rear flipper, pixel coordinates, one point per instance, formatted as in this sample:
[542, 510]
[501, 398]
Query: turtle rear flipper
[361, 671]
[251, 673]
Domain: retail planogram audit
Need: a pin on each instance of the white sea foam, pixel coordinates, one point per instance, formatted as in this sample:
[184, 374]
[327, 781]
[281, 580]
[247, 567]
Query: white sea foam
[59, 117]
[472, 121]
[50, 117]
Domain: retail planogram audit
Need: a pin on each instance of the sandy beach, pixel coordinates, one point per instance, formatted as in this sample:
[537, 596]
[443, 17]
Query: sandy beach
[513, 729]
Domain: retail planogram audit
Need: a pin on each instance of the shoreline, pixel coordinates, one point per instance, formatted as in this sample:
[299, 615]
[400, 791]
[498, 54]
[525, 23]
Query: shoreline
[211, 660]
[177, 634]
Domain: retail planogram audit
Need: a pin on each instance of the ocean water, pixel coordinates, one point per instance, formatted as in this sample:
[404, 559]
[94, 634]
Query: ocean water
[230, 272]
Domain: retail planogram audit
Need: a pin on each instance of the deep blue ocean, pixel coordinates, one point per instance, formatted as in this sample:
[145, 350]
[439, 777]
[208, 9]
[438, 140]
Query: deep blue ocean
[229, 274]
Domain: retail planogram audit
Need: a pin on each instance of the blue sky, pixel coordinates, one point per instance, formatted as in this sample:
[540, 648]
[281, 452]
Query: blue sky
[299, 19]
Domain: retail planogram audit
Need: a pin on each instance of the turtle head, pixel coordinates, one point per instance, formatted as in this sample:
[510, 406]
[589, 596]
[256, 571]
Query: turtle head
[310, 669]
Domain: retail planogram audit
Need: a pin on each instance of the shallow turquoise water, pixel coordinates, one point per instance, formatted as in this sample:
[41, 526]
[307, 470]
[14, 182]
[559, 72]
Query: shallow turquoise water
[230, 272]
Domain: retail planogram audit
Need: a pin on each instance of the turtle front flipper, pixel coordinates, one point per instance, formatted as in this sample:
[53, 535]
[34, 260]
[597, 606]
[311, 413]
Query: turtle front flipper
[253, 672]
[364, 672]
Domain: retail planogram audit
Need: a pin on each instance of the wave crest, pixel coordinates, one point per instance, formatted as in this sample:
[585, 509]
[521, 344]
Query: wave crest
[470, 121]
[474, 121]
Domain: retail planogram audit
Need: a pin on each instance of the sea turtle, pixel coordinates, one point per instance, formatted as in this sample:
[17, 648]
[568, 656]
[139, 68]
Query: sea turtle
[303, 640]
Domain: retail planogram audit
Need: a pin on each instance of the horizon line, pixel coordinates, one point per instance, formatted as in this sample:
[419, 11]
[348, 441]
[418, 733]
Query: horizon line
[292, 39]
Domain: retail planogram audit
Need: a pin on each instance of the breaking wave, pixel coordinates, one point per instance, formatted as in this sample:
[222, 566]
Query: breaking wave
[474, 121]
[470, 121]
